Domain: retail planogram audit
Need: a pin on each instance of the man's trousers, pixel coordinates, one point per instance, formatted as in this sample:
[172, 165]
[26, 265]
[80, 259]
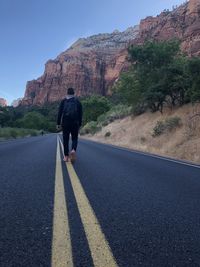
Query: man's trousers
[70, 129]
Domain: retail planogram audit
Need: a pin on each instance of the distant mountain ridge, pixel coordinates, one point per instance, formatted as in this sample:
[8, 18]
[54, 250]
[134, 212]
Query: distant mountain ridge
[117, 40]
[3, 102]
[92, 65]
[15, 103]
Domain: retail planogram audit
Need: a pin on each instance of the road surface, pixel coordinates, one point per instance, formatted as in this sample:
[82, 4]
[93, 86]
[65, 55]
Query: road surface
[113, 207]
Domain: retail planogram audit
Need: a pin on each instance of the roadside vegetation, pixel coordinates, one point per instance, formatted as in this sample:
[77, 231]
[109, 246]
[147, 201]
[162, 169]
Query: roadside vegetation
[175, 133]
[12, 133]
[30, 117]
[160, 76]
[115, 112]
[27, 121]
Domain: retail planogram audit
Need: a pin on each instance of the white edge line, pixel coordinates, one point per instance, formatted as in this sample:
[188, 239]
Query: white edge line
[146, 154]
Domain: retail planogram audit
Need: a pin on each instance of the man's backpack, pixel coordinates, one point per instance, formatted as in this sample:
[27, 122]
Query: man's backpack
[70, 110]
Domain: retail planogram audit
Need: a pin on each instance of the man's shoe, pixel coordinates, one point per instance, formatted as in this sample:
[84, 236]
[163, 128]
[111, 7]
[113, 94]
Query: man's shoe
[66, 158]
[72, 156]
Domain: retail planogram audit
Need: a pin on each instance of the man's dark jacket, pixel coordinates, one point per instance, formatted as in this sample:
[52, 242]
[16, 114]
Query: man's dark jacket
[61, 108]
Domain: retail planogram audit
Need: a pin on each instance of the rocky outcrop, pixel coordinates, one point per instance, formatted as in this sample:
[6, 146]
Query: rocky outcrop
[91, 65]
[183, 23]
[3, 102]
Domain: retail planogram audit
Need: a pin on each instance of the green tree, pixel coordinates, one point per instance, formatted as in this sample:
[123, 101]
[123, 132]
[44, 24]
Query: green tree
[32, 120]
[193, 68]
[157, 76]
[93, 107]
[4, 117]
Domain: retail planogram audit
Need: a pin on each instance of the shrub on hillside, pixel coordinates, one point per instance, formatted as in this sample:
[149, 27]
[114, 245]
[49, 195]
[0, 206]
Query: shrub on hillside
[166, 126]
[90, 128]
[117, 112]
[159, 128]
[172, 123]
[107, 134]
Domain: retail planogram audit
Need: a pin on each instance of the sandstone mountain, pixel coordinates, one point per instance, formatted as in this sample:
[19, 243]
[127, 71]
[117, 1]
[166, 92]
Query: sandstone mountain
[183, 23]
[3, 102]
[92, 65]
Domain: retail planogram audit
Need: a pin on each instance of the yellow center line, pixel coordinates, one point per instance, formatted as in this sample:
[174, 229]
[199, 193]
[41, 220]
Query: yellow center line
[61, 244]
[101, 253]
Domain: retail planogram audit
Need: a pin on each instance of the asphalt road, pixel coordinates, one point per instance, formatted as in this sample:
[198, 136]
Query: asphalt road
[113, 207]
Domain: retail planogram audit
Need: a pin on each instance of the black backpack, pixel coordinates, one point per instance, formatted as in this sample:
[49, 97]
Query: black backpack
[70, 110]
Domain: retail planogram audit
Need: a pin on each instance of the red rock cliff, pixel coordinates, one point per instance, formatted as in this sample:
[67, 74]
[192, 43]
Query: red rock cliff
[183, 23]
[92, 64]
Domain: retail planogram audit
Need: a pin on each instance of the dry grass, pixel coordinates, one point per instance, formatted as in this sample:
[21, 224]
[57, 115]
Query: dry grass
[136, 133]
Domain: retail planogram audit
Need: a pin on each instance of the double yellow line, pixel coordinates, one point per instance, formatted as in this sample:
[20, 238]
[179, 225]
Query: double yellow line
[61, 248]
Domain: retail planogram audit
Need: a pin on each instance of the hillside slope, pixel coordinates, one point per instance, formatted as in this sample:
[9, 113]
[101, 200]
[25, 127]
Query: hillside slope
[136, 133]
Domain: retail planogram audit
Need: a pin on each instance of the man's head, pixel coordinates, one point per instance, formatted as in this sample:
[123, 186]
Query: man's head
[70, 91]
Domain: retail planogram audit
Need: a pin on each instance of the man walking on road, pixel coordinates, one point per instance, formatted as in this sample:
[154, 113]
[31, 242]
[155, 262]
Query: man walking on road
[70, 117]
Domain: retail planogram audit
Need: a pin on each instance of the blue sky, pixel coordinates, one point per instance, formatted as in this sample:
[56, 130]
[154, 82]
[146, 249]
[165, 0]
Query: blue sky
[33, 31]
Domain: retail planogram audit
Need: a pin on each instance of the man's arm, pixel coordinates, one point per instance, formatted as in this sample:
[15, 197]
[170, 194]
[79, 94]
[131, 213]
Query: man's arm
[60, 111]
[80, 113]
